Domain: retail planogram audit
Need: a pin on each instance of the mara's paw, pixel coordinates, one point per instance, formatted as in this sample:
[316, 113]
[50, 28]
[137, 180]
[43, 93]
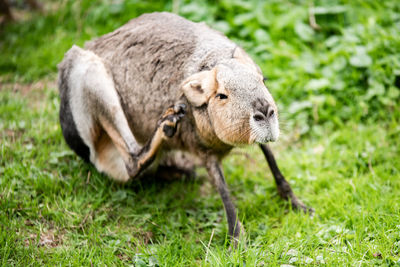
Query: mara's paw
[132, 166]
[298, 205]
[239, 240]
[170, 119]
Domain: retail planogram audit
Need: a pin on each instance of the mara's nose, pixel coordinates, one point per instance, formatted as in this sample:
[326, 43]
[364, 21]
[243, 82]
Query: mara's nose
[264, 113]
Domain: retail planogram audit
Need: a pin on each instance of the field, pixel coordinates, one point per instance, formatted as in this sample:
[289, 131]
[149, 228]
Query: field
[333, 68]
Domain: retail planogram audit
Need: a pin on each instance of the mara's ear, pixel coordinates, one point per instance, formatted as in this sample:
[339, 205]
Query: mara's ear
[243, 58]
[199, 87]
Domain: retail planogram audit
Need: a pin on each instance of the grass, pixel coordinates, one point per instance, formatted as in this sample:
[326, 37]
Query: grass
[57, 210]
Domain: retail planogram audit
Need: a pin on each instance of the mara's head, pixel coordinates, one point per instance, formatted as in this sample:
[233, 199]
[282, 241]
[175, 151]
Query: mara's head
[232, 102]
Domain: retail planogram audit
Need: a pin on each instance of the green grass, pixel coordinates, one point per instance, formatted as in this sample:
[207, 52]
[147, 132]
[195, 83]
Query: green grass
[340, 147]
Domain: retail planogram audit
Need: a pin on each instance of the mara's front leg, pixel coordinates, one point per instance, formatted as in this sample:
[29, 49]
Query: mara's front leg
[215, 171]
[284, 189]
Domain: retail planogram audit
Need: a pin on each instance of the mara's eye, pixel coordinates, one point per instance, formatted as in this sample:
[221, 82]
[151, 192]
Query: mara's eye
[221, 96]
[265, 79]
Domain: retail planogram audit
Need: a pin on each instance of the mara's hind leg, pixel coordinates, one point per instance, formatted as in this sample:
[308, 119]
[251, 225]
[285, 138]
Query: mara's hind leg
[110, 160]
[101, 122]
[97, 112]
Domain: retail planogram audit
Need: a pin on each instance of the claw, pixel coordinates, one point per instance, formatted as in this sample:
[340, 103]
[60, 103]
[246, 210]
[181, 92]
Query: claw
[171, 118]
[297, 204]
[180, 109]
[169, 131]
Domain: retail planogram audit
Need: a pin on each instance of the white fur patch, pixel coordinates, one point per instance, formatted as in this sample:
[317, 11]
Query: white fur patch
[77, 99]
[263, 132]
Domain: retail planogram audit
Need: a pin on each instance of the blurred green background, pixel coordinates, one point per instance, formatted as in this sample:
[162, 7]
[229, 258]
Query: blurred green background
[333, 68]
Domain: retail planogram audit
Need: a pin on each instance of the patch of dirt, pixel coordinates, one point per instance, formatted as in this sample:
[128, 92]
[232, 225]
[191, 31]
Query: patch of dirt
[123, 257]
[49, 238]
[12, 135]
[206, 189]
[21, 11]
[25, 88]
[143, 238]
[34, 93]
[147, 237]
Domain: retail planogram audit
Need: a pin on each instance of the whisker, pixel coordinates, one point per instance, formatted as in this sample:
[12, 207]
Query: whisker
[235, 127]
[240, 121]
[243, 132]
[230, 132]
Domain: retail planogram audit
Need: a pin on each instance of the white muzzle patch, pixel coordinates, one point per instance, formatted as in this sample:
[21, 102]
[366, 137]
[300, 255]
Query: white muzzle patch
[264, 131]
